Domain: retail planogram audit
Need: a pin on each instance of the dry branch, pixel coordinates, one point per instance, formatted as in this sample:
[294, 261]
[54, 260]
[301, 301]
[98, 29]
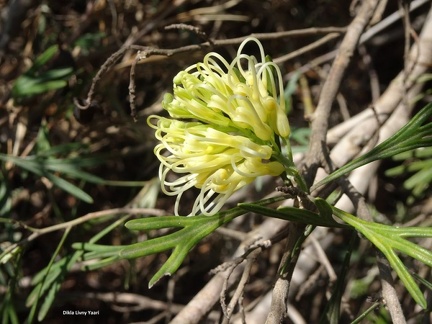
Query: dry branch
[203, 302]
[330, 88]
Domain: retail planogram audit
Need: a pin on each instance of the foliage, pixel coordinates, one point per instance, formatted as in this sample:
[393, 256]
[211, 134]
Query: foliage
[418, 163]
[38, 79]
[44, 164]
[387, 239]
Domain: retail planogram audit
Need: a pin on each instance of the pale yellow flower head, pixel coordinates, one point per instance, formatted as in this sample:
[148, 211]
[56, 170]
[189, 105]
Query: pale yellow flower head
[225, 118]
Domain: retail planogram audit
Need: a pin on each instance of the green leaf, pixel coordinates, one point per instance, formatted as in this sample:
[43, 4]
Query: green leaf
[42, 140]
[301, 138]
[69, 168]
[325, 211]
[70, 188]
[89, 41]
[43, 59]
[364, 315]
[426, 283]
[191, 230]
[388, 239]
[296, 214]
[332, 311]
[290, 89]
[5, 196]
[413, 135]
[30, 86]
[422, 178]
[194, 229]
[49, 300]
[418, 162]
[42, 166]
[35, 81]
[48, 281]
[48, 276]
[424, 78]
[26, 86]
[61, 149]
[56, 283]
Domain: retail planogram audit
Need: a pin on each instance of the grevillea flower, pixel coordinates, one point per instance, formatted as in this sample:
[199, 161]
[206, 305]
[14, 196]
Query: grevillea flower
[225, 120]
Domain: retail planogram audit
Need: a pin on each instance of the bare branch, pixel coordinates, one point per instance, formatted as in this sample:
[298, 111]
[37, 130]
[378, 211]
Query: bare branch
[204, 300]
[279, 304]
[306, 48]
[331, 86]
[144, 52]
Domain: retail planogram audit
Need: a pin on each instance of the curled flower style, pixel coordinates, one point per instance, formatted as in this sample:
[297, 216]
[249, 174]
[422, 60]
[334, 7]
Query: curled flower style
[224, 127]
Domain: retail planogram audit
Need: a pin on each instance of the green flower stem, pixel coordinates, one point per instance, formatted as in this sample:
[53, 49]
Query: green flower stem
[290, 168]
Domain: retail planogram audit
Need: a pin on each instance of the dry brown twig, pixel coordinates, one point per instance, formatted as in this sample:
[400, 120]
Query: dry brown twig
[385, 105]
[371, 32]
[352, 135]
[197, 31]
[315, 155]
[389, 293]
[237, 296]
[129, 302]
[391, 100]
[145, 52]
[330, 88]
[208, 296]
